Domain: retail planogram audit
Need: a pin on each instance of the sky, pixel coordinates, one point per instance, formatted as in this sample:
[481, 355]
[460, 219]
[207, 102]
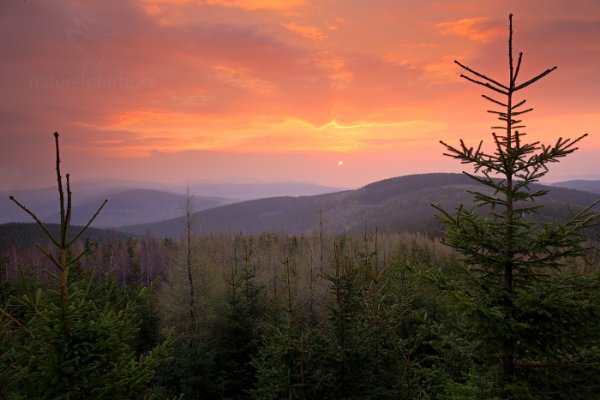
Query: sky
[335, 92]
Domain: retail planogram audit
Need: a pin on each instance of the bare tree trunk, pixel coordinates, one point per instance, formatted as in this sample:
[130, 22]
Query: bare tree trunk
[188, 209]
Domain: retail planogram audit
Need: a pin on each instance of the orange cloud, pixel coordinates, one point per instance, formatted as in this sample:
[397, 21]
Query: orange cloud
[139, 133]
[257, 4]
[338, 73]
[475, 29]
[156, 130]
[309, 32]
[441, 71]
[178, 12]
[298, 135]
[166, 12]
[241, 78]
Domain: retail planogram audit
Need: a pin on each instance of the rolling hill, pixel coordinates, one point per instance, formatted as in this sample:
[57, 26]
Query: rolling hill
[402, 203]
[129, 204]
[136, 206]
[260, 190]
[592, 186]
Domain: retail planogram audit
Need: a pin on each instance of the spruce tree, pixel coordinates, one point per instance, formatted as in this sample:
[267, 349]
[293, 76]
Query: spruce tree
[508, 253]
[68, 341]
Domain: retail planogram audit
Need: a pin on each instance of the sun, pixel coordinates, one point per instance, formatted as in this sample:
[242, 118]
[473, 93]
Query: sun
[340, 163]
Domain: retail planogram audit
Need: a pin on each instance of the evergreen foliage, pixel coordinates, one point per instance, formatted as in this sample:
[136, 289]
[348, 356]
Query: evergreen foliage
[519, 309]
[69, 341]
[375, 342]
[241, 328]
[94, 359]
[213, 360]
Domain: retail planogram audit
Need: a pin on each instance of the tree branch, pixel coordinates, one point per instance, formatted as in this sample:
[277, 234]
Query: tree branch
[37, 220]
[88, 224]
[481, 75]
[487, 85]
[494, 100]
[536, 78]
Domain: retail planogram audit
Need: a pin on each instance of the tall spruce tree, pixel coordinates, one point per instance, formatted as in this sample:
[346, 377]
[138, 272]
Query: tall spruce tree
[508, 253]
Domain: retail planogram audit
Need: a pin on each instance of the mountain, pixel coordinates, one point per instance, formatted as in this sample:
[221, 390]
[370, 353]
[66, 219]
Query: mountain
[592, 186]
[44, 201]
[402, 203]
[41, 201]
[259, 190]
[129, 204]
[136, 206]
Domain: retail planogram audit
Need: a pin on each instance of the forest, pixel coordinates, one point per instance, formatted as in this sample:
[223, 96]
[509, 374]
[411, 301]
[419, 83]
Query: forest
[272, 316]
[379, 316]
[501, 306]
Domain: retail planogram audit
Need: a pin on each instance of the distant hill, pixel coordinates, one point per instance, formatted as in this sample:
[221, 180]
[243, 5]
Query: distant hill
[402, 203]
[44, 201]
[137, 205]
[592, 186]
[41, 201]
[260, 190]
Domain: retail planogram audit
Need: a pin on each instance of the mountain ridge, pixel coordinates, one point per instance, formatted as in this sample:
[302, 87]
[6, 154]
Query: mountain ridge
[399, 203]
[135, 205]
[586, 185]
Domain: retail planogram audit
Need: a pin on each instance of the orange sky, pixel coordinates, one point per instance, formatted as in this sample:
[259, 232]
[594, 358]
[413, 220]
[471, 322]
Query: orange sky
[274, 90]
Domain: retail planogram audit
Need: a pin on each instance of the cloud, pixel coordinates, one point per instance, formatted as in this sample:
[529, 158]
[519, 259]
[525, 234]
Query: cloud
[309, 32]
[258, 4]
[157, 7]
[137, 77]
[476, 29]
[241, 78]
[335, 65]
[441, 71]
